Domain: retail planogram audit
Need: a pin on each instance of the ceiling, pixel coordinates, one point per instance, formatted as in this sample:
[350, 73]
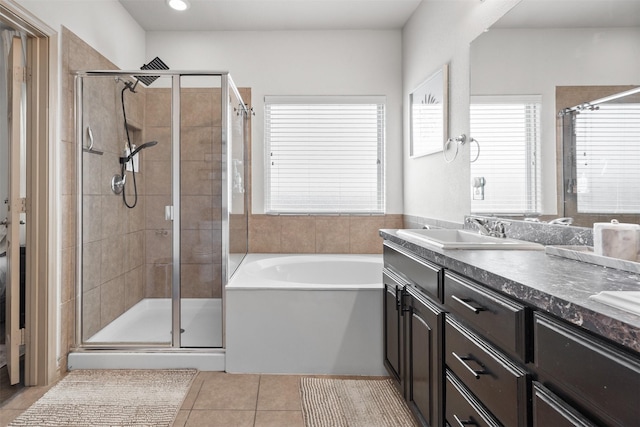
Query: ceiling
[227, 15]
[572, 14]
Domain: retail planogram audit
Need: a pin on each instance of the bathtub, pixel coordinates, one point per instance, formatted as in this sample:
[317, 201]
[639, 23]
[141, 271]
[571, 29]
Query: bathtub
[305, 314]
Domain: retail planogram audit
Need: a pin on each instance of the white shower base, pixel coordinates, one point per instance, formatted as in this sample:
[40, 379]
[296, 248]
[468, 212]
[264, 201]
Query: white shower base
[149, 322]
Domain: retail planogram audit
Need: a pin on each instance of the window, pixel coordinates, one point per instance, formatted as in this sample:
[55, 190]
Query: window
[608, 158]
[324, 154]
[507, 129]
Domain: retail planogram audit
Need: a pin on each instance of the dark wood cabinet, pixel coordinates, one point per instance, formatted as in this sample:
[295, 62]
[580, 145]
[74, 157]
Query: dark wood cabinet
[413, 337]
[593, 376]
[550, 410]
[424, 359]
[464, 354]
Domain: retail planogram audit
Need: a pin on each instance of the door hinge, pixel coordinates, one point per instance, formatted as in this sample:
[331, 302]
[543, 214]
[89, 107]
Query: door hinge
[23, 205]
[22, 339]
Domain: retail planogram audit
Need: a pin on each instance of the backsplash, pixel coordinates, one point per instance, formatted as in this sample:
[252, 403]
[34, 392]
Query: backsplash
[539, 232]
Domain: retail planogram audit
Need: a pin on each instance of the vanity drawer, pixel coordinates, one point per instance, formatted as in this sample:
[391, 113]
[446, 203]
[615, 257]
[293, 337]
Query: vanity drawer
[549, 410]
[599, 380]
[501, 320]
[462, 408]
[497, 382]
[416, 270]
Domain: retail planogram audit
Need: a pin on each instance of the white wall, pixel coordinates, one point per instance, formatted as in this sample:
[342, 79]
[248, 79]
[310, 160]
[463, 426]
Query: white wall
[104, 24]
[299, 63]
[505, 62]
[440, 32]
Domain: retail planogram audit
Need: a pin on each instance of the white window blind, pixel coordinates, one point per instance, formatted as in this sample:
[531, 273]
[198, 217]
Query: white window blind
[507, 129]
[608, 159]
[324, 154]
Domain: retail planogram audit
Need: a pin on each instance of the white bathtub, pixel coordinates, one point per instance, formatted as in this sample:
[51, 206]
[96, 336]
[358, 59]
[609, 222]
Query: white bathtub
[305, 314]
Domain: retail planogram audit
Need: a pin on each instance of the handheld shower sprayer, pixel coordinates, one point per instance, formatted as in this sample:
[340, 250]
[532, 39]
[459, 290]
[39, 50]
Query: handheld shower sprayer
[126, 159]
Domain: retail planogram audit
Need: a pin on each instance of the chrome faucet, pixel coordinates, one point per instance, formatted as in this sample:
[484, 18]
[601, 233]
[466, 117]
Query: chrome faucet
[489, 228]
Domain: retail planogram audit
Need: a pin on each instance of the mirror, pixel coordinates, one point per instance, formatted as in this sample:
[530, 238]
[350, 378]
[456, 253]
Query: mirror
[533, 52]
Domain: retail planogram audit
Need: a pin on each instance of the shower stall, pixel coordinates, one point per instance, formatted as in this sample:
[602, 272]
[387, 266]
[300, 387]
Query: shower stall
[162, 216]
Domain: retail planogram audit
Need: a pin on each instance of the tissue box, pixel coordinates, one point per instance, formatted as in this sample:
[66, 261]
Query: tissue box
[616, 240]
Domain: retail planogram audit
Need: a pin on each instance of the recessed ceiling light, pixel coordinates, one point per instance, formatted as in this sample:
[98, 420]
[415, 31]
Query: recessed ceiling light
[178, 4]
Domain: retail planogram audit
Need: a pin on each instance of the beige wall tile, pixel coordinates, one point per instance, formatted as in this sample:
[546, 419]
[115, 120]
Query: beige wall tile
[196, 178]
[298, 234]
[196, 107]
[91, 265]
[158, 177]
[113, 254]
[154, 212]
[162, 151]
[394, 221]
[364, 236]
[158, 280]
[197, 213]
[158, 246]
[196, 143]
[197, 280]
[135, 256]
[90, 312]
[111, 300]
[332, 234]
[158, 108]
[264, 234]
[134, 286]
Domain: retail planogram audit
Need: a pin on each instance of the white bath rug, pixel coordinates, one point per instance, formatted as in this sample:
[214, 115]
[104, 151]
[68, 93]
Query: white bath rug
[328, 402]
[111, 398]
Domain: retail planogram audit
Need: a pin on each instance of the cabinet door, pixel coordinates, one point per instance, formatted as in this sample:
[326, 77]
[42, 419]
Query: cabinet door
[392, 327]
[424, 362]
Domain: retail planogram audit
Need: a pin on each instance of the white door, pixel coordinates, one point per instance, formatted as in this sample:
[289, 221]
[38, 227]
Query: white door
[15, 73]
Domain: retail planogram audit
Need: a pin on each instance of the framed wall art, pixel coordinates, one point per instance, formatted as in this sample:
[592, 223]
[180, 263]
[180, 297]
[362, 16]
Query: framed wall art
[429, 108]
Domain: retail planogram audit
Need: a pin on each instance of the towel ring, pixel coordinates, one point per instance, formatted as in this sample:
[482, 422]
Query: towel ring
[478, 154]
[459, 140]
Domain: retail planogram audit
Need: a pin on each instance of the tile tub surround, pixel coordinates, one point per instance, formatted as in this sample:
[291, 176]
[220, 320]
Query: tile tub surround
[552, 284]
[329, 234]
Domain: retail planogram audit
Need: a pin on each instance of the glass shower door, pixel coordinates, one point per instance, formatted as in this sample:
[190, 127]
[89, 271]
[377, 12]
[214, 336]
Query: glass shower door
[127, 235]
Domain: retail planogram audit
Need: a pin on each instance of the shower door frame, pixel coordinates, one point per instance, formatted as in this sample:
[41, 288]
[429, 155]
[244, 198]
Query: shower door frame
[226, 84]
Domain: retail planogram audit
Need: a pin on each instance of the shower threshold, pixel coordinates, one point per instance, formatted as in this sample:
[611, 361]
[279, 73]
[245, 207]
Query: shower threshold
[149, 321]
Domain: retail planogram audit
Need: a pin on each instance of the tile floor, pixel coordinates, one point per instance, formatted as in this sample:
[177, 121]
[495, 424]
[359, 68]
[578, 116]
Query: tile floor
[215, 399]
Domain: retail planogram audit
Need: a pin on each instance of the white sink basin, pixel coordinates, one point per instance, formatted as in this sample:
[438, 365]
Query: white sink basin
[624, 300]
[462, 239]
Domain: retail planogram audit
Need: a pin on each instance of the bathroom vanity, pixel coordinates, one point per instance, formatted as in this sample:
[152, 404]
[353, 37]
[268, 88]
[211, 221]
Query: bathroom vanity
[508, 337]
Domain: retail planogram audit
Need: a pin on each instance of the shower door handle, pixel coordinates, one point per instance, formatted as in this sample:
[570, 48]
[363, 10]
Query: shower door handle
[168, 213]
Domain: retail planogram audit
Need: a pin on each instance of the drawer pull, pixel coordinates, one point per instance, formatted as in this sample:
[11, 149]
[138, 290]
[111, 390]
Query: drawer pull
[463, 360]
[463, 423]
[476, 310]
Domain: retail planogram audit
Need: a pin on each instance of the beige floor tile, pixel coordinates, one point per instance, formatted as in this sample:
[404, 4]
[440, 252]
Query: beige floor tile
[279, 393]
[190, 399]
[181, 418]
[220, 418]
[279, 419]
[228, 391]
[8, 415]
[25, 398]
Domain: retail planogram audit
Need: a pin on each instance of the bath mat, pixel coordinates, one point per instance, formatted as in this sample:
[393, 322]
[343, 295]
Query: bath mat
[328, 402]
[111, 398]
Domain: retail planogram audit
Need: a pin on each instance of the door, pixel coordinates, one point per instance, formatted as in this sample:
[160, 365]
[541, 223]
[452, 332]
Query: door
[15, 207]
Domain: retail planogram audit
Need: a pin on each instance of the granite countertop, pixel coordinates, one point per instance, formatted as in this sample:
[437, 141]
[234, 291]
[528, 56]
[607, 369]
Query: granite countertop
[553, 284]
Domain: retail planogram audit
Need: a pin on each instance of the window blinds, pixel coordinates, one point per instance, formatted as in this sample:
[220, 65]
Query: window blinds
[608, 159]
[324, 154]
[507, 129]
